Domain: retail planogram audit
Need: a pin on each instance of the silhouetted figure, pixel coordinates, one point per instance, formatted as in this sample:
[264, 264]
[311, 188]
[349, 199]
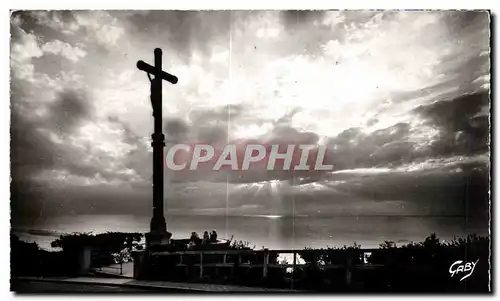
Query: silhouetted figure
[194, 237]
[206, 238]
[213, 236]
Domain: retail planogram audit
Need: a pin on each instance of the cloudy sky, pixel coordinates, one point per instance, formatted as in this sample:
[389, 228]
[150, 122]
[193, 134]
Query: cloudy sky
[401, 100]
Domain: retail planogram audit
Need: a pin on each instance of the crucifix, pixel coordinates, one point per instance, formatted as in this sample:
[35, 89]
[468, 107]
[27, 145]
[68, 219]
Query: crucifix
[158, 226]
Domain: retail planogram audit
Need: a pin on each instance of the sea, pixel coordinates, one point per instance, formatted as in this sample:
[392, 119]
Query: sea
[269, 231]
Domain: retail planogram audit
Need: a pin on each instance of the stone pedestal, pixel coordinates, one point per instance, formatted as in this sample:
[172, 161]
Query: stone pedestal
[157, 238]
[146, 266]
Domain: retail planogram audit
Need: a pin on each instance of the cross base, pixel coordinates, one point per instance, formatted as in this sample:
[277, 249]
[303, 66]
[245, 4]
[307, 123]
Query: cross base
[157, 239]
[158, 224]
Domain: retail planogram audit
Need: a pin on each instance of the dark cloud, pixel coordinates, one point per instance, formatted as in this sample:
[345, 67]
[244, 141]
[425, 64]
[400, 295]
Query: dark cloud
[140, 151]
[467, 20]
[292, 18]
[355, 149]
[464, 71]
[462, 129]
[454, 114]
[186, 31]
[176, 129]
[70, 108]
[40, 21]
[461, 132]
[460, 189]
[31, 151]
[203, 125]
[32, 148]
[38, 200]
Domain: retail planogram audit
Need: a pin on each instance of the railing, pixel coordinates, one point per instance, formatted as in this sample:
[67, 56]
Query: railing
[348, 260]
[120, 268]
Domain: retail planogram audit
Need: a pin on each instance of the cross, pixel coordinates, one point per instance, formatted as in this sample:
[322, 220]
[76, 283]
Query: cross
[158, 224]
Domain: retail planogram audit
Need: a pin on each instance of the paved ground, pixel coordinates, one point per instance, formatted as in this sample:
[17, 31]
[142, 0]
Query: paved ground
[37, 287]
[89, 284]
[127, 269]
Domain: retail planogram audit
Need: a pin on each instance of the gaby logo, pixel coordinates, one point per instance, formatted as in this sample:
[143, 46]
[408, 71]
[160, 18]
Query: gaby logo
[462, 268]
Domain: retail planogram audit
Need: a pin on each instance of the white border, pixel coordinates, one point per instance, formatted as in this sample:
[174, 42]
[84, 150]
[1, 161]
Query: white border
[255, 4]
[184, 4]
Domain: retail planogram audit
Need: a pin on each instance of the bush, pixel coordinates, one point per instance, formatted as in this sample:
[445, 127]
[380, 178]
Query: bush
[108, 248]
[27, 259]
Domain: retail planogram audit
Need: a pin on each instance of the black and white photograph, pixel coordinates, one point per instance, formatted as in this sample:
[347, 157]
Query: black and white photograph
[250, 151]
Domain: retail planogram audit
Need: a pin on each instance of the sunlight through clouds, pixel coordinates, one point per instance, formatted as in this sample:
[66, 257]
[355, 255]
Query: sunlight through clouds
[385, 92]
